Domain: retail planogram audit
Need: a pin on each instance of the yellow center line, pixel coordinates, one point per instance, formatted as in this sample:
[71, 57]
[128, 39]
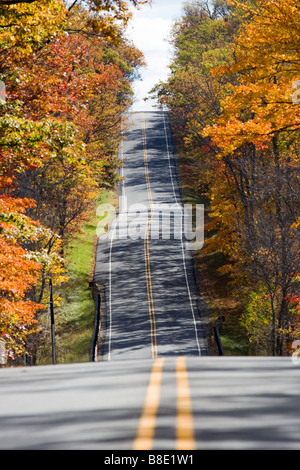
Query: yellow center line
[146, 248]
[185, 439]
[146, 429]
[184, 423]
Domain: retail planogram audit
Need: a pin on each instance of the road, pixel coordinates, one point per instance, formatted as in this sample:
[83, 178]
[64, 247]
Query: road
[154, 387]
[167, 404]
[144, 264]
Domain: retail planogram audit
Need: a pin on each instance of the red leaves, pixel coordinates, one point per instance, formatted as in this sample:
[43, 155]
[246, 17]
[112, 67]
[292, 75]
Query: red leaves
[58, 139]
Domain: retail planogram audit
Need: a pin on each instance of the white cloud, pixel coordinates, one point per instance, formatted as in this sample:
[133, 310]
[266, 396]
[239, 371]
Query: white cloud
[150, 33]
[149, 30]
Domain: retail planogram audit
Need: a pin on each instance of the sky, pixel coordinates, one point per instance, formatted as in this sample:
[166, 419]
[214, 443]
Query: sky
[149, 30]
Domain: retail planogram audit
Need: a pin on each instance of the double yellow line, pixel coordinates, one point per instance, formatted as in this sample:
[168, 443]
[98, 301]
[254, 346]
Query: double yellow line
[184, 420]
[146, 248]
[185, 439]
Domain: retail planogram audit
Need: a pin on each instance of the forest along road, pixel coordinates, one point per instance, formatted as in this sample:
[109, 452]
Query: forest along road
[143, 261]
[166, 394]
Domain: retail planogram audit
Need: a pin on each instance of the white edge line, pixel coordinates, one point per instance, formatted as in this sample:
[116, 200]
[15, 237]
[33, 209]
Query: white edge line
[182, 247]
[110, 291]
[110, 254]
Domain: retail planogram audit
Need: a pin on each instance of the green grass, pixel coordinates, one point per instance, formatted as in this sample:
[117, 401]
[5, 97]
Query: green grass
[76, 313]
[74, 316]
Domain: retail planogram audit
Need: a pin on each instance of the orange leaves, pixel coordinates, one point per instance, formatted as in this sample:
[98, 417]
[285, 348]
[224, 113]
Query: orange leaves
[267, 62]
[17, 270]
[63, 78]
[17, 276]
[233, 95]
[17, 321]
[67, 72]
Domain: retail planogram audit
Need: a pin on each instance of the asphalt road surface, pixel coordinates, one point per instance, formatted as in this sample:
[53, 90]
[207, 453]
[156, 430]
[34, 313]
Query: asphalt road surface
[154, 388]
[145, 264]
[172, 404]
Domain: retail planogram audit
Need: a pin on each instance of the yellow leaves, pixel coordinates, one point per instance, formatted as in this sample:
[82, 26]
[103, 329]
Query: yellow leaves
[31, 24]
[260, 105]
[296, 224]
[105, 18]
[60, 126]
[226, 269]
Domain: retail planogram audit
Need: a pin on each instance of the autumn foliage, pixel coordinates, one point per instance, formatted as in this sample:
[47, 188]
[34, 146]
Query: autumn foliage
[67, 72]
[233, 98]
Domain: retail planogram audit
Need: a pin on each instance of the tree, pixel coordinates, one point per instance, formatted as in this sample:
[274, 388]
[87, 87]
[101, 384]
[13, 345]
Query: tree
[68, 73]
[230, 98]
[19, 272]
[258, 137]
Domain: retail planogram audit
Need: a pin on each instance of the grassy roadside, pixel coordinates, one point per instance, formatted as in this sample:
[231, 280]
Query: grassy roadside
[214, 287]
[74, 314]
